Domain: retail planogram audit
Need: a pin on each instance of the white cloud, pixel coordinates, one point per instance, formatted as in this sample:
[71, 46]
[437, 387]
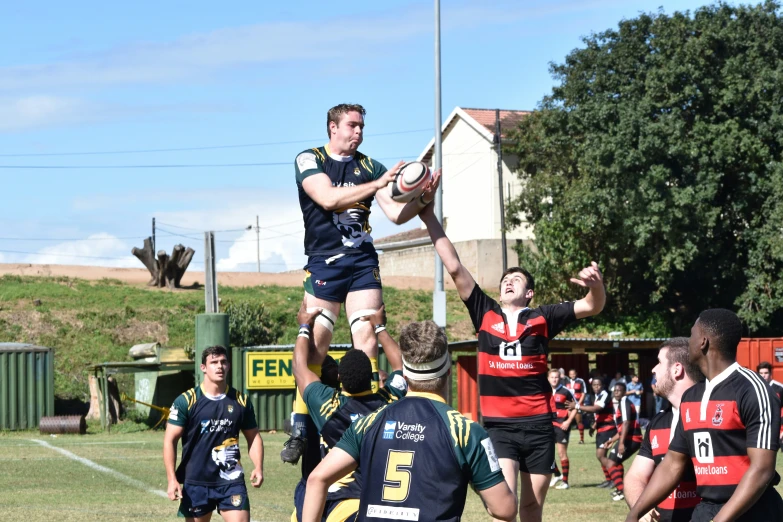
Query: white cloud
[38, 111]
[97, 250]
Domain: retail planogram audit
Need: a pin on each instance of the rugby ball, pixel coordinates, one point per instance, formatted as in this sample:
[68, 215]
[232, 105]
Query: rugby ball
[409, 182]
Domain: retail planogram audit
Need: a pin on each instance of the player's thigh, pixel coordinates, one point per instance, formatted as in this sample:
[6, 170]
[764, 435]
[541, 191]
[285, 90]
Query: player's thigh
[358, 304]
[562, 450]
[204, 518]
[324, 325]
[532, 491]
[510, 469]
[235, 515]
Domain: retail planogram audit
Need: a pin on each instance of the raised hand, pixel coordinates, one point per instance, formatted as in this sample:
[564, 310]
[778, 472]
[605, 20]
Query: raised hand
[589, 276]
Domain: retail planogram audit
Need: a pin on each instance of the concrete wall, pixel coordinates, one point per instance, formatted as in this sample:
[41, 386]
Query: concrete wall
[483, 258]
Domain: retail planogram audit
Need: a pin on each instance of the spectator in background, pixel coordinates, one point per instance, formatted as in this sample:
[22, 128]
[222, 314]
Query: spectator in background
[660, 402]
[634, 392]
[618, 378]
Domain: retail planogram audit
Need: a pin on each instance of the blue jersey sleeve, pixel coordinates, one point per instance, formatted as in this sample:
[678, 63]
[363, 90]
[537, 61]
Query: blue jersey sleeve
[178, 414]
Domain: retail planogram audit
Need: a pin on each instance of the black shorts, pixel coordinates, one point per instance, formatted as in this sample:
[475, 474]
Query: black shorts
[334, 280]
[561, 435]
[532, 445]
[630, 449]
[768, 507]
[197, 501]
[602, 436]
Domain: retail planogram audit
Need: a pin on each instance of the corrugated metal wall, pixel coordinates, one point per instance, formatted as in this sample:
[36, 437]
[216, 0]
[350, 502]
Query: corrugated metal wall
[26, 385]
[272, 407]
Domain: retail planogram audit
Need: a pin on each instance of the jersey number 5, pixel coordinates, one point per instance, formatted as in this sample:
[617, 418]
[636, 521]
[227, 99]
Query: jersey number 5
[397, 481]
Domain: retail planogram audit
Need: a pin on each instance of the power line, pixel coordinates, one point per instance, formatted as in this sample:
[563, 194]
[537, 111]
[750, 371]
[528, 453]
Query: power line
[61, 255]
[186, 149]
[65, 238]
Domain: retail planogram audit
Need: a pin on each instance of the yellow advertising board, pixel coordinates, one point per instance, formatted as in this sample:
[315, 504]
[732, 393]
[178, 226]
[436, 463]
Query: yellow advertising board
[272, 370]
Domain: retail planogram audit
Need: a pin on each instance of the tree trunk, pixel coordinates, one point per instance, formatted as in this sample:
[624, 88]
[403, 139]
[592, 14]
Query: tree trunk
[165, 270]
[95, 400]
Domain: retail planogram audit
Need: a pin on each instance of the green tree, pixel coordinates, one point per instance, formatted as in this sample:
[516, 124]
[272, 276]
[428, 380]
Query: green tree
[249, 324]
[658, 154]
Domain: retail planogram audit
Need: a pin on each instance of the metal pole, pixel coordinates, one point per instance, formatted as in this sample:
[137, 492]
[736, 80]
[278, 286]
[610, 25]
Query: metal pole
[153, 236]
[438, 295]
[499, 149]
[258, 244]
[210, 279]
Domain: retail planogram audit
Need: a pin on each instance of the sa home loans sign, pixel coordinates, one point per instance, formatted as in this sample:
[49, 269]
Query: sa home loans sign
[272, 370]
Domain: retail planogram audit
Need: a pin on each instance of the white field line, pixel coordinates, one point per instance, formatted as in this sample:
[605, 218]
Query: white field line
[103, 469]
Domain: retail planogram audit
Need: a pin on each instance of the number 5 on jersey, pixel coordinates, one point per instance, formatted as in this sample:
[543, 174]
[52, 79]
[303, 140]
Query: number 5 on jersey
[397, 481]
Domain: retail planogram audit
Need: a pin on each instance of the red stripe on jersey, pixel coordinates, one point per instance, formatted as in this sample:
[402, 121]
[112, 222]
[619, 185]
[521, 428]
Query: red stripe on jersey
[721, 415]
[520, 406]
[495, 325]
[659, 441]
[723, 471]
[526, 366]
[684, 496]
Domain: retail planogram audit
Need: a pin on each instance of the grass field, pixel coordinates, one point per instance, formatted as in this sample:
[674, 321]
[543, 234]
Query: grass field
[39, 483]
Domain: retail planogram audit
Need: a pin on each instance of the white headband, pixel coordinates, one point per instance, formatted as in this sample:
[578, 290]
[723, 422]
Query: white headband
[429, 370]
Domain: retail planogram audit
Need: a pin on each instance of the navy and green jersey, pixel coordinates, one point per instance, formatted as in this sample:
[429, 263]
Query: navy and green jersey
[417, 457]
[210, 444]
[345, 230]
[333, 411]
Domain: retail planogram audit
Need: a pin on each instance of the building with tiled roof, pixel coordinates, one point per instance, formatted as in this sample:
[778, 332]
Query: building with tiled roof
[471, 200]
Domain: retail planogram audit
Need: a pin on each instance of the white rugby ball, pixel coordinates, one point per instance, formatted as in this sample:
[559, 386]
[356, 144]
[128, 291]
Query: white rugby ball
[409, 182]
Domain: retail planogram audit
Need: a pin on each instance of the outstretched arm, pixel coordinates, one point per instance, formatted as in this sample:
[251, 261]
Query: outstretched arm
[337, 463]
[390, 347]
[319, 188]
[399, 213]
[302, 374]
[590, 277]
[751, 486]
[448, 254]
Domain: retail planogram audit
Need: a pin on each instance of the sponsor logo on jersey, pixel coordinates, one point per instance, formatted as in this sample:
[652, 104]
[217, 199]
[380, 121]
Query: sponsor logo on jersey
[230, 408]
[687, 415]
[216, 425]
[388, 429]
[357, 172]
[236, 500]
[392, 513]
[173, 413]
[499, 327]
[306, 161]
[654, 443]
[320, 282]
[510, 351]
[492, 457]
[702, 446]
[717, 419]
[355, 416]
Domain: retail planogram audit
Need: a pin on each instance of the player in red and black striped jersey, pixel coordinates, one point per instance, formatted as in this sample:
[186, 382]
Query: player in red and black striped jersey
[513, 344]
[675, 374]
[604, 409]
[578, 387]
[764, 369]
[626, 441]
[728, 429]
[562, 424]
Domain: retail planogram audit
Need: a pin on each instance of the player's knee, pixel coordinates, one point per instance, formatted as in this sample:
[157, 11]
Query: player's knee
[326, 319]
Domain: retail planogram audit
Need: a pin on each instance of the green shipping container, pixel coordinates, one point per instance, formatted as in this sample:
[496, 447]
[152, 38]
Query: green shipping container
[26, 385]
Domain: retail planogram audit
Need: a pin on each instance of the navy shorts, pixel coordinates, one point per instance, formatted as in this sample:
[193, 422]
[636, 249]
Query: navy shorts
[533, 446]
[334, 510]
[350, 273]
[197, 501]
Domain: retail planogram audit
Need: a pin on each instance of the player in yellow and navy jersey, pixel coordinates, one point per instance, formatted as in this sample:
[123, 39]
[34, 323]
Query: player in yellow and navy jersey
[337, 185]
[332, 411]
[416, 455]
[209, 419]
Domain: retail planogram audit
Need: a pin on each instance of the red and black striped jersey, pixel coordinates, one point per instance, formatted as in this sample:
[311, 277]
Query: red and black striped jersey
[604, 418]
[719, 420]
[577, 386]
[560, 395]
[678, 506]
[626, 412]
[512, 357]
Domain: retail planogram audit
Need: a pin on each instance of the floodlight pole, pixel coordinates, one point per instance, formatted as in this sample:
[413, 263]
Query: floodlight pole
[438, 295]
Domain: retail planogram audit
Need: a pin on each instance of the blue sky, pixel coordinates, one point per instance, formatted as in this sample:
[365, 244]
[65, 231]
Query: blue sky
[238, 83]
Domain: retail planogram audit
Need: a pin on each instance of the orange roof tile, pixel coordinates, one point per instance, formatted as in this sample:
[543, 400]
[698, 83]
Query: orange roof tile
[486, 117]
